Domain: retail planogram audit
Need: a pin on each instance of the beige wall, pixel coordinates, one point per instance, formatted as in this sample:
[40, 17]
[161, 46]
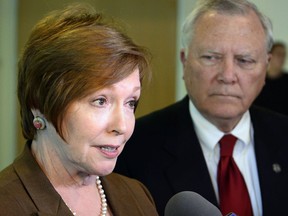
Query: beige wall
[8, 55]
[151, 23]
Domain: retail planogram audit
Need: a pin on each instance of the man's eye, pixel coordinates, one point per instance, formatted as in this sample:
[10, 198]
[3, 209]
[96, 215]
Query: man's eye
[207, 57]
[210, 59]
[246, 63]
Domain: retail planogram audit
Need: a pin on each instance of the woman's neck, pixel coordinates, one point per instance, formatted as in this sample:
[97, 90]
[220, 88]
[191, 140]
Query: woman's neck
[59, 174]
[78, 190]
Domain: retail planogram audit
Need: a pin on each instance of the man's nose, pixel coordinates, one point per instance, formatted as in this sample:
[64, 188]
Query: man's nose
[227, 71]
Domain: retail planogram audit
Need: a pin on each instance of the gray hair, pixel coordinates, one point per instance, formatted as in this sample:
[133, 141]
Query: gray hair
[229, 7]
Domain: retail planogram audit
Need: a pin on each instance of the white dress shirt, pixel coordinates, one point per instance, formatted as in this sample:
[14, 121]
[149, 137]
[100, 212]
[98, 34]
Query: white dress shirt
[243, 153]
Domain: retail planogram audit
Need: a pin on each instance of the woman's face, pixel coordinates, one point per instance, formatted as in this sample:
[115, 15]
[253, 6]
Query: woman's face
[97, 127]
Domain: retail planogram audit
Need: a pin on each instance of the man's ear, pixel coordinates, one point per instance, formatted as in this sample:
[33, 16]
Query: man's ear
[183, 56]
[269, 58]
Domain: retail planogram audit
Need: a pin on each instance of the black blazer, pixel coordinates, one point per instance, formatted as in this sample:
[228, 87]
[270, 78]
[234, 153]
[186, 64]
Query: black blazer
[164, 153]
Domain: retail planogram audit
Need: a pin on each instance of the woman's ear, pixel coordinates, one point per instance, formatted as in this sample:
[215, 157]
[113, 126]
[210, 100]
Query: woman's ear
[36, 113]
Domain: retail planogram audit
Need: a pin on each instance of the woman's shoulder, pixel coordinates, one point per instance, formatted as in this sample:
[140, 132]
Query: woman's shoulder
[123, 181]
[128, 195]
[8, 177]
[9, 192]
[127, 186]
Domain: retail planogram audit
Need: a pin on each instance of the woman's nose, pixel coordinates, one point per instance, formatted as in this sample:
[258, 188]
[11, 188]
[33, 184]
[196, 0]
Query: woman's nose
[118, 121]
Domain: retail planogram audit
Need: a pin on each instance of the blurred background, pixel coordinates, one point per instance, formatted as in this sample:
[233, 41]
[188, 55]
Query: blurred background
[154, 24]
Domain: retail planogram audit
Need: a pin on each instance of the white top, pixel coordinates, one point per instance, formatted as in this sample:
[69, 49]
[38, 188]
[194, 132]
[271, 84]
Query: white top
[243, 152]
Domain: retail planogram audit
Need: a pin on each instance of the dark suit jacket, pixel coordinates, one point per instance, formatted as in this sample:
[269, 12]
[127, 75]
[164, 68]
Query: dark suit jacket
[164, 153]
[25, 190]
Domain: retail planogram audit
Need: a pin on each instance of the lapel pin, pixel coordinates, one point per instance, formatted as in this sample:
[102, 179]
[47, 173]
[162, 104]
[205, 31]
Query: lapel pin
[276, 168]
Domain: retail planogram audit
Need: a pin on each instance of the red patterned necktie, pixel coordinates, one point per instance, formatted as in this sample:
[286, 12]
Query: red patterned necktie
[233, 193]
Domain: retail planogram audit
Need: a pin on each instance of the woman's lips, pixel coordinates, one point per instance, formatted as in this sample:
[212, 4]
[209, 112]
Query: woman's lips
[109, 150]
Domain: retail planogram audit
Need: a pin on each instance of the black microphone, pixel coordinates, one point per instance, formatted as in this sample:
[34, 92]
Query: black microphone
[188, 203]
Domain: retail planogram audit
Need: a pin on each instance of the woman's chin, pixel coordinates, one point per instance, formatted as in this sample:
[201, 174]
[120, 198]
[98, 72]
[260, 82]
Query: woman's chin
[106, 169]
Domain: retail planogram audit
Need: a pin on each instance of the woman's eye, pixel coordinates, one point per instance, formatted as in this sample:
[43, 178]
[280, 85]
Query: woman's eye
[99, 102]
[133, 104]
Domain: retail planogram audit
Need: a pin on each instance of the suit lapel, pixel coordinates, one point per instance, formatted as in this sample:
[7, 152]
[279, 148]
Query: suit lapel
[268, 150]
[188, 171]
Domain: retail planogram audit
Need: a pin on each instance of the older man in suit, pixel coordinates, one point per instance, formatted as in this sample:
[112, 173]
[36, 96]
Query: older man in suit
[225, 55]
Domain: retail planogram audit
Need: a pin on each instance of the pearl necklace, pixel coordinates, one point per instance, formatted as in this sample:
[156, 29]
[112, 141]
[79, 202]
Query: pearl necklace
[102, 196]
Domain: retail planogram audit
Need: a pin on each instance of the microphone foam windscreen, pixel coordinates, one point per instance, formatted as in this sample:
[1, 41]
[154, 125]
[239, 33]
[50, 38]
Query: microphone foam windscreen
[188, 203]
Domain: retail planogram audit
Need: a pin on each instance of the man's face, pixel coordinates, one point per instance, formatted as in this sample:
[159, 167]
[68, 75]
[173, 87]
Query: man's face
[225, 66]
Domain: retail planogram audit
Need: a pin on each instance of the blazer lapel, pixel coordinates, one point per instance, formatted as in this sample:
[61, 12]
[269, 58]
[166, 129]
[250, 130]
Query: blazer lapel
[41, 191]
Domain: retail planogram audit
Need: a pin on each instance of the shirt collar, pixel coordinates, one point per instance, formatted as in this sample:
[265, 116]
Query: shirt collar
[209, 135]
